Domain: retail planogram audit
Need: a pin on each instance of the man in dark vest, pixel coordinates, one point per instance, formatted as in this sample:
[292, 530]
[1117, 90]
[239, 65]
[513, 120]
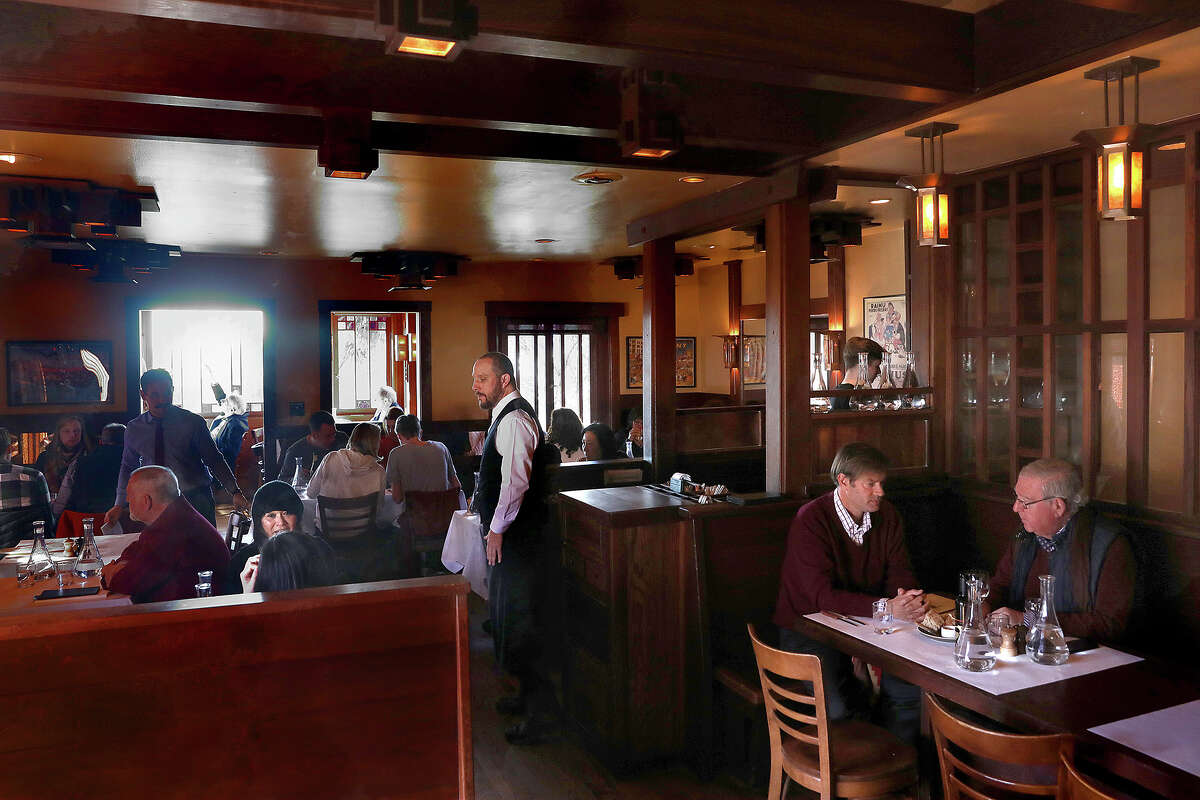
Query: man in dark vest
[1089, 556]
[90, 484]
[512, 511]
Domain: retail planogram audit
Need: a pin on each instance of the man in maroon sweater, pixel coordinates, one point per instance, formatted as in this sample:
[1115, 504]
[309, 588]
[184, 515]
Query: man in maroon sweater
[177, 543]
[845, 551]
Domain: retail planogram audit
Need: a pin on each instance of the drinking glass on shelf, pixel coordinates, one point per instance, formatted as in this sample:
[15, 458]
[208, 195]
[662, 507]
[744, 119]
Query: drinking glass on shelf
[882, 617]
[203, 590]
[999, 369]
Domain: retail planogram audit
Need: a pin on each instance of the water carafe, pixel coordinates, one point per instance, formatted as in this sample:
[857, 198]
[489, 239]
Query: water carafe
[1045, 642]
[862, 402]
[300, 479]
[89, 564]
[39, 566]
[973, 650]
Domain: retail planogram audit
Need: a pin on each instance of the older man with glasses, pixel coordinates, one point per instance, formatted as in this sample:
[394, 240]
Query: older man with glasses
[1089, 555]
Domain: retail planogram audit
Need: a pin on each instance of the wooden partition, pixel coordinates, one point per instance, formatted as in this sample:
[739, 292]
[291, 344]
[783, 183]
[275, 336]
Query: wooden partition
[347, 691]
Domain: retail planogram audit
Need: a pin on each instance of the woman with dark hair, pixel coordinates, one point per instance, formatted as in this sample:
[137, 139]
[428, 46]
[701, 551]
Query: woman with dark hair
[68, 443]
[566, 433]
[290, 560]
[599, 442]
[276, 509]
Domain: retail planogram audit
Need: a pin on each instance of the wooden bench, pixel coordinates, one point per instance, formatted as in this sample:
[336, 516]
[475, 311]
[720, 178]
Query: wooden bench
[358, 691]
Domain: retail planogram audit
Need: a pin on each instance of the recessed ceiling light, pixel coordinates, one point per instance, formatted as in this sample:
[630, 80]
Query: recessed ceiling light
[597, 178]
[878, 201]
[652, 152]
[545, 241]
[9, 157]
[712, 247]
[419, 45]
[691, 179]
[1173, 146]
[537, 260]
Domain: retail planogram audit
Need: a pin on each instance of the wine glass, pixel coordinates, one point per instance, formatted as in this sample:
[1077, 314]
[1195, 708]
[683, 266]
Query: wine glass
[999, 369]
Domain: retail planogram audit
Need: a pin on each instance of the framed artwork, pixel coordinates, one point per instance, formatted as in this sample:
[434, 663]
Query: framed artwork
[685, 362]
[754, 360]
[633, 362]
[885, 320]
[42, 373]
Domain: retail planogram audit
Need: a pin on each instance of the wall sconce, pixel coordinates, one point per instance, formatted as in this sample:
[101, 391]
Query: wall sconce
[933, 200]
[426, 28]
[730, 347]
[1121, 149]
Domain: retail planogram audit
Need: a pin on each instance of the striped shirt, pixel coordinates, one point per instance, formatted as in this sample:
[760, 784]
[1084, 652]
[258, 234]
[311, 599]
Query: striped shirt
[855, 531]
[22, 487]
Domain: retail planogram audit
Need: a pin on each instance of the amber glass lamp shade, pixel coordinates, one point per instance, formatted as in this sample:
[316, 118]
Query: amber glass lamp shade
[933, 217]
[729, 350]
[1119, 179]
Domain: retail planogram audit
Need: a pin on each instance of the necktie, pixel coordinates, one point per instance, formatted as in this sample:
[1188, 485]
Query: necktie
[160, 445]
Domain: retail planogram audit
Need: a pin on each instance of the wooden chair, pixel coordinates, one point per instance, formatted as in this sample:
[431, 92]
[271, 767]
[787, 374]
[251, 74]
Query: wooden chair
[348, 524]
[836, 759]
[1074, 786]
[982, 764]
[70, 524]
[428, 515]
[237, 530]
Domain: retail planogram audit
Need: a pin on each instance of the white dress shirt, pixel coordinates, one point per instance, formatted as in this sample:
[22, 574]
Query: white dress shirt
[516, 440]
[856, 531]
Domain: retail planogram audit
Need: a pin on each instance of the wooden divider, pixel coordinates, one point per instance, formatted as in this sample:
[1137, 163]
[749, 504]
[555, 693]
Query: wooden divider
[348, 691]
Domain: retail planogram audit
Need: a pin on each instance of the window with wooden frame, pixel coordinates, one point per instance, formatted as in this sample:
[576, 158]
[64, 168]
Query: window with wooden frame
[1075, 337]
[564, 354]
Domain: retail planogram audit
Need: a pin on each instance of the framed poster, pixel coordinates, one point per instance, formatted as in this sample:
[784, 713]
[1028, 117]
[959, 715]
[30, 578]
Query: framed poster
[885, 320]
[685, 362]
[56, 373]
[754, 360]
[633, 362]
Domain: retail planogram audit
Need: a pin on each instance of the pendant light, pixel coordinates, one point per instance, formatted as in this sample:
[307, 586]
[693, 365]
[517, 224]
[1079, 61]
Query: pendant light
[1120, 149]
[933, 198]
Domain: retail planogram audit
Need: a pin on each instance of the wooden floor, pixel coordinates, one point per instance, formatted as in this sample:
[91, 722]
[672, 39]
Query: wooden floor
[560, 769]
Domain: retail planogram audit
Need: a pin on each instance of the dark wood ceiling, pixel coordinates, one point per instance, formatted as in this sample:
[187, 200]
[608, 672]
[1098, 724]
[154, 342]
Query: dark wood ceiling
[764, 83]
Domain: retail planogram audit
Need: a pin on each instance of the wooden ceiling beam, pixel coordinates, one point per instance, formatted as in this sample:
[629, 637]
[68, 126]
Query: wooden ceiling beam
[104, 56]
[854, 46]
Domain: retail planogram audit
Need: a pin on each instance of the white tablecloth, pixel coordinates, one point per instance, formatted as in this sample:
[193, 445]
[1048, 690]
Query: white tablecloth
[463, 551]
[1172, 735]
[1009, 675]
[111, 548]
[386, 516]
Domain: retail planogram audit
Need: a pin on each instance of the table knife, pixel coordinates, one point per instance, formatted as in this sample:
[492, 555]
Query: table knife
[843, 618]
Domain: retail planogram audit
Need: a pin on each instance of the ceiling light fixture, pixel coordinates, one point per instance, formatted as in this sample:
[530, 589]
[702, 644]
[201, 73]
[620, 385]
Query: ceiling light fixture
[596, 178]
[1120, 149]
[10, 157]
[691, 179]
[545, 241]
[345, 150]
[410, 269]
[878, 201]
[933, 200]
[651, 124]
[1180, 145]
[426, 28]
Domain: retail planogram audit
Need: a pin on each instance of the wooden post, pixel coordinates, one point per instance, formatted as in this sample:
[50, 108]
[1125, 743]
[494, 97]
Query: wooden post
[658, 356]
[734, 274]
[788, 358]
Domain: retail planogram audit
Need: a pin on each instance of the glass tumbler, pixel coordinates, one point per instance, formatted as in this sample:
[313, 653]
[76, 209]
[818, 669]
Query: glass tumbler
[882, 617]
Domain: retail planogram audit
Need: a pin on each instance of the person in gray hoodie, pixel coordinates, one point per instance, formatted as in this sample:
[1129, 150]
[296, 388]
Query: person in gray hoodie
[354, 471]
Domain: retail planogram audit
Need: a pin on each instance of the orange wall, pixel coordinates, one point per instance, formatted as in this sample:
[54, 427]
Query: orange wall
[40, 300]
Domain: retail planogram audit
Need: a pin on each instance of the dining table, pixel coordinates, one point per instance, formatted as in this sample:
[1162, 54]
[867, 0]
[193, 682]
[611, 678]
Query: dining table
[1094, 689]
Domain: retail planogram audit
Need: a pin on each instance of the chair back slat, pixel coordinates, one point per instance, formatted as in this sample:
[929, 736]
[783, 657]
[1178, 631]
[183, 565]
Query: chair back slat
[1074, 786]
[1013, 753]
[794, 667]
[345, 518]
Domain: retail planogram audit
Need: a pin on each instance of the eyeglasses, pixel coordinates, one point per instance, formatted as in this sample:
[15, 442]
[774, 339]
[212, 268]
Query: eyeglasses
[1025, 504]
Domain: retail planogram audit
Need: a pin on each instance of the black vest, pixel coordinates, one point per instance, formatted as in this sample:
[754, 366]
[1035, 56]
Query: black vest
[95, 486]
[527, 526]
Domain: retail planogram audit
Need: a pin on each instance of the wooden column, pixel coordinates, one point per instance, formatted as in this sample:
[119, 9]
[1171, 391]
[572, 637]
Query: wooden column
[658, 356]
[734, 274]
[788, 358]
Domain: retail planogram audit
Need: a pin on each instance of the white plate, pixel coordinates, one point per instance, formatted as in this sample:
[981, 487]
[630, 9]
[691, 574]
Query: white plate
[941, 639]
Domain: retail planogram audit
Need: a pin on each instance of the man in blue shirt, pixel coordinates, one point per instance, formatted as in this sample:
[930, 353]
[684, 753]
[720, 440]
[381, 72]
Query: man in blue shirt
[169, 436]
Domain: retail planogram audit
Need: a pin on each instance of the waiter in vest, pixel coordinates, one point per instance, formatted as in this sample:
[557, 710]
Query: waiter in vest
[512, 511]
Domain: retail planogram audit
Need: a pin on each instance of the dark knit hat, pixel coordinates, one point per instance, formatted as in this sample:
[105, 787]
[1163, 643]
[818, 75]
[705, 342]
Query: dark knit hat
[274, 496]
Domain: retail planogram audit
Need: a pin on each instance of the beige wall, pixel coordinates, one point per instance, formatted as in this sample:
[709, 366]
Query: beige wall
[872, 269]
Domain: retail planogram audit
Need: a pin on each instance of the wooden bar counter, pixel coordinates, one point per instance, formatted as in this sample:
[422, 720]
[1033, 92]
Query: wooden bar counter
[639, 595]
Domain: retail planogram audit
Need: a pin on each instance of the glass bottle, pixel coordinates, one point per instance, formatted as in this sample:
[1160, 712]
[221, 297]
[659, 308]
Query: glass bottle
[1045, 642]
[39, 565]
[89, 563]
[300, 478]
[911, 381]
[973, 649]
[858, 402]
[818, 381]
